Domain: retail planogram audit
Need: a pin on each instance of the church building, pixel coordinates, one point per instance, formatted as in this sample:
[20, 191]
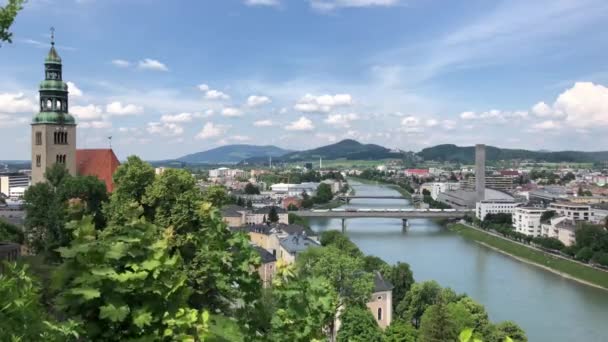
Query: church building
[54, 132]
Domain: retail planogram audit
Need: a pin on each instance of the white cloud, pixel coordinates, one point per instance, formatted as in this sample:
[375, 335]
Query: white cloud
[117, 108]
[9, 121]
[213, 94]
[73, 89]
[431, 122]
[262, 2]
[121, 63]
[328, 5]
[16, 103]
[152, 64]
[541, 109]
[263, 123]
[231, 112]
[240, 138]
[181, 117]
[448, 125]
[90, 112]
[411, 124]
[341, 120]
[494, 115]
[211, 130]
[95, 124]
[256, 101]
[216, 95]
[302, 124]
[165, 129]
[322, 104]
[585, 105]
[546, 125]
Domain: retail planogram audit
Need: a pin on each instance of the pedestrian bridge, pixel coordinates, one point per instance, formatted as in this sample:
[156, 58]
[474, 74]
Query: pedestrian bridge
[403, 214]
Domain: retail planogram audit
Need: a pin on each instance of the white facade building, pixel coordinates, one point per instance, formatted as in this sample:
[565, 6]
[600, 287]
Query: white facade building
[13, 183]
[561, 228]
[527, 221]
[495, 207]
[294, 189]
[572, 211]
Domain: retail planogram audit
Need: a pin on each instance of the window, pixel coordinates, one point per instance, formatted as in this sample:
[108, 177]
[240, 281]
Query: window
[38, 160]
[38, 138]
[379, 314]
[49, 104]
[60, 159]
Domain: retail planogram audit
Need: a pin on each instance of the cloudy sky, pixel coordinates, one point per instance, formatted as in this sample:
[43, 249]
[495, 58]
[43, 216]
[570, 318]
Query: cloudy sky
[166, 78]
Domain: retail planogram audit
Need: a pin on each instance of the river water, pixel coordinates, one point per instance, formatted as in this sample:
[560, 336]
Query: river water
[548, 307]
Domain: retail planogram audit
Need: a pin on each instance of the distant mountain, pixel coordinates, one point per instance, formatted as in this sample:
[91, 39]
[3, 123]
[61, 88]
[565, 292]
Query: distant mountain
[345, 149]
[231, 154]
[466, 155]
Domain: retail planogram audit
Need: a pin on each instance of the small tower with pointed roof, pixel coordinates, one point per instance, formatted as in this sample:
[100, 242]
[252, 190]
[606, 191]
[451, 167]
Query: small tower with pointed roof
[53, 128]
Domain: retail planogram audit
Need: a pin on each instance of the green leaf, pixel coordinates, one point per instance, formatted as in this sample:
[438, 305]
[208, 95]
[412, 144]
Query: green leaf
[113, 313]
[150, 264]
[466, 335]
[86, 292]
[117, 250]
[142, 318]
[508, 339]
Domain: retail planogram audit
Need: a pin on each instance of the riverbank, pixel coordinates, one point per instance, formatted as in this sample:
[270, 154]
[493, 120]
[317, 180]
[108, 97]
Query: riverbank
[395, 187]
[563, 267]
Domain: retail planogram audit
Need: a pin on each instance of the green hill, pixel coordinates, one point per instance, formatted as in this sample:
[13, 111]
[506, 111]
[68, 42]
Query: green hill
[466, 155]
[232, 154]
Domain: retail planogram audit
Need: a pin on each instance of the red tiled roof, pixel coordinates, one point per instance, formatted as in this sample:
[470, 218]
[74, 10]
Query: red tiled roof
[417, 171]
[509, 173]
[100, 163]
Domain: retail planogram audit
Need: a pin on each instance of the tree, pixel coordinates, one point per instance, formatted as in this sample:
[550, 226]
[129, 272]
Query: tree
[402, 278]
[501, 331]
[304, 306]
[584, 254]
[292, 207]
[324, 193]
[340, 241]
[89, 190]
[22, 317]
[7, 17]
[437, 324]
[251, 189]
[358, 325]
[547, 215]
[426, 192]
[372, 263]
[123, 283]
[479, 317]
[417, 300]
[400, 331]
[249, 204]
[10, 233]
[273, 216]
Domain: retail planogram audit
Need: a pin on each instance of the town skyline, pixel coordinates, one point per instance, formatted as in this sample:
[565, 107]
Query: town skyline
[372, 71]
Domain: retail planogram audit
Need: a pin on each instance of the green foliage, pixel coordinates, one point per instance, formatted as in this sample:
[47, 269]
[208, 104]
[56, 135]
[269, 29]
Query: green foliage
[10, 233]
[123, 283]
[584, 254]
[549, 243]
[22, 317]
[506, 330]
[324, 193]
[217, 195]
[273, 216]
[547, 215]
[304, 307]
[402, 278]
[340, 241]
[344, 272]
[358, 325]
[400, 331]
[438, 323]
[251, 189]
[47, 209]
[372, 263]
[417, 300]
[7, 16]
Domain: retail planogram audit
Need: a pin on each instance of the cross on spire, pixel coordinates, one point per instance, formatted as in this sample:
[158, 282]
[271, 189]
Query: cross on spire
[52, 36]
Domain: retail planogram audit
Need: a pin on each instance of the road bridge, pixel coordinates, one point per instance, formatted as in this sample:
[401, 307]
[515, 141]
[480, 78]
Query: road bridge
[403, 214]
[347, 199]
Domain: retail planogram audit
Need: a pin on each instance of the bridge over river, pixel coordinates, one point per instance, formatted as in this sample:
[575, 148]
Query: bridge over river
[403, 214]
[347, 199]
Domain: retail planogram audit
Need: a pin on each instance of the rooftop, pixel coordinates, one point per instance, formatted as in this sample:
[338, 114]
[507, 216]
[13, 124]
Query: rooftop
[296, 243]
[381, 284]
[266, 256]
[100, 163]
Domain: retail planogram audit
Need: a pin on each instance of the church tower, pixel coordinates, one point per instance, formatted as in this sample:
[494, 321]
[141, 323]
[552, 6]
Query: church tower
[53, 128]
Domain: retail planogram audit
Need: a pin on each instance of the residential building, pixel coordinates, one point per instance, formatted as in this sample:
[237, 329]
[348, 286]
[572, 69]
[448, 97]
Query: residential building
[498, 206]
[526, 220]
[561, 228]
[10, 181]
[381, 302]
[291, 201]
[234, 215]
[260, 215]
[335, 185]
[572, 211]
[416, 172]
[502, 183]
[268, 267]
[548, 194]
[436, 188]
[294, 244]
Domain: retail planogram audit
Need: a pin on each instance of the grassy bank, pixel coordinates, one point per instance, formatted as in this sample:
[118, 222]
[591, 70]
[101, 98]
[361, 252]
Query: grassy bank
[551, 262]
[396, 187]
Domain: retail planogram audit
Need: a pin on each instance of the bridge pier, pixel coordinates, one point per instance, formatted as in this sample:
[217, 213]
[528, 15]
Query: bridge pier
[406, 224]
[343, 226]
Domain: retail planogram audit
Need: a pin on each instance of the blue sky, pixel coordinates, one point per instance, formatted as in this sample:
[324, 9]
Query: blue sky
[167, 78]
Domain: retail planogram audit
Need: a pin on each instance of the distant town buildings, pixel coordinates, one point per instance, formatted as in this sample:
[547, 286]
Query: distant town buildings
[526, 220]
[497, 206]
[561, 228]
[13, 185]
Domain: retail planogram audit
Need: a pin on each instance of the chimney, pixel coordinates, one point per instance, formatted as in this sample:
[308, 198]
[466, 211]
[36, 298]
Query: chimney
[480, 171]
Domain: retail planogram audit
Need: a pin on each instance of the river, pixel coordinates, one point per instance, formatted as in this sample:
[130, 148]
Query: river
[548, 307]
